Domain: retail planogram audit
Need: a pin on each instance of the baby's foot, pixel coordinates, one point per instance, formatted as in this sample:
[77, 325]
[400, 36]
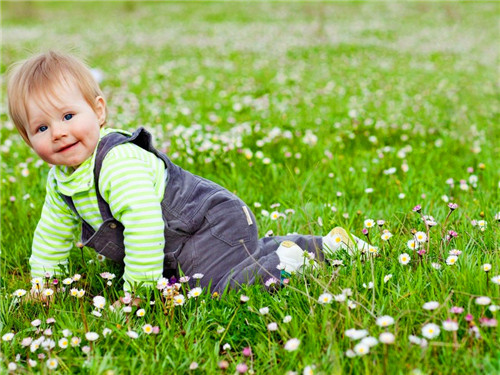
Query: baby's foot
[291, 256]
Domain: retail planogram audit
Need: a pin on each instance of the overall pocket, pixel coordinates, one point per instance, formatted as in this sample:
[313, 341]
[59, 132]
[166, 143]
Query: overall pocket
[230, 221]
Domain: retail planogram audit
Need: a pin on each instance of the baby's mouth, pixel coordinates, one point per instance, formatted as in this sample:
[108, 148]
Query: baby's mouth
[65, 148]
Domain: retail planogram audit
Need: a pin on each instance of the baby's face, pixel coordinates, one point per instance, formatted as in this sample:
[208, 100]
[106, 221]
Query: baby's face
[64, 130]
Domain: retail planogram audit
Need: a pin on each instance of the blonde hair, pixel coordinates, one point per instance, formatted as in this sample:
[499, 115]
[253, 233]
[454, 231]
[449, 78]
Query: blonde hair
[40, 76]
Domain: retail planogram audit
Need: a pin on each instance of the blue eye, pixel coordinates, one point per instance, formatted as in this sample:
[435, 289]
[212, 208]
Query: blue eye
[67, 117]
[42, 128]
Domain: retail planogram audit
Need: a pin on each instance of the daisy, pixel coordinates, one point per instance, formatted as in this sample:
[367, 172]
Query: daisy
[496, 279]
[420, 237]
[75, 341]
[361, 349]
[432, 305]
[450, 325]
[198, 276]
[67, 281]
[140, 313]
[386, 236]
[8, 336]
[77, 277]
[32, 363]
[451, 260]
[369, 223]
[48, 292]
[26, 341]
[132, 334]
[264, 310]
[193, 366]
[274, 215]
[430, 330]
[106, 331]
[19, 293]
[404, 259]
[195, 292]
[287, 319]
[36, 322]
[73, 292]
[325, 298]
[244, 298]
[356, 334]
[486, 267]
[455, 252]
[91, 336]
[351, 304]
[387, 278]
[372, 249]
[369, 340]
[386, 338]
[412, 244]
[340, 297]
[385, 321]
[292, 344]
[179, 300]
[63, 343]
[272, 326]
[99, 302]
[147, 328]
[483, 301]
[52, 363]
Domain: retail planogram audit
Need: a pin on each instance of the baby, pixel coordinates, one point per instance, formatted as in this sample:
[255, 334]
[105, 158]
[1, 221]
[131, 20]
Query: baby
[133, 204]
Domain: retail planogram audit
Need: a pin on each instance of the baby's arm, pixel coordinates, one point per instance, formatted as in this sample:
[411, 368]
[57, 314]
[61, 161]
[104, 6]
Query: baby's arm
[54, 235]
[133, 187]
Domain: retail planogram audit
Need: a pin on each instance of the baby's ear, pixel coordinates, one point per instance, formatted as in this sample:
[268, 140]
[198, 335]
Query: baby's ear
[100, 109]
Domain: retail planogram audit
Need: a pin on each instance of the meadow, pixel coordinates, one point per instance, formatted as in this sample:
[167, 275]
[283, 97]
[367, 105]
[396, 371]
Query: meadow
[382, 118]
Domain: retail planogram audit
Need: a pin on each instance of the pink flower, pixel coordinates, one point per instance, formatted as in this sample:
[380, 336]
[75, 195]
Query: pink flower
[247, 351]
[156, 330]
[417, 208]
[365, 231]
[457, 310]
[469, 317]
[485, 322]
[242, 368]
[421, 252]
[452, 206]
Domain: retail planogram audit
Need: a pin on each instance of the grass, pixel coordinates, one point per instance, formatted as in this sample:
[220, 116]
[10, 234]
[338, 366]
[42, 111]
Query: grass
[381, 85]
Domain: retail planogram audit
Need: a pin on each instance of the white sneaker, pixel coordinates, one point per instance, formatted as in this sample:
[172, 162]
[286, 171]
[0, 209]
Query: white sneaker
[291, 256]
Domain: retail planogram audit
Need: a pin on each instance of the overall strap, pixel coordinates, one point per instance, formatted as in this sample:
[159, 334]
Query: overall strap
[140, 137]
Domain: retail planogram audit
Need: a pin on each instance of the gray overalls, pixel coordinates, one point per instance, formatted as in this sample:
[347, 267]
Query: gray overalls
[208, 229]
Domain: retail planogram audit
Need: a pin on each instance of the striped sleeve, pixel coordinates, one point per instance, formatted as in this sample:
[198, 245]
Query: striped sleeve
[54, 235]
[130, 185]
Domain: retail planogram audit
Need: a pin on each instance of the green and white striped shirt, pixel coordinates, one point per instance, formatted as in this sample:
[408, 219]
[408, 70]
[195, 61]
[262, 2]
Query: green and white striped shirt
[132, 181]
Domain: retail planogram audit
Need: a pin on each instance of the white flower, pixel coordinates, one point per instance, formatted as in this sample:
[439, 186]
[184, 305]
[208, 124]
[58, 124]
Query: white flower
[12, 366]
[77, 277]
[179, 300]
[244, 298]
[28, 340]
[8, 336]
[385, 321]
[325, 298]
[430, 330]
[436, 266]
[350, 353]
[32, 363]
[361, 349]
[193, 366]
[483, 301]
[140, 313]
[450, 325]
[66, 332]
[19, 293]
[48, 292]
[67, 281]
[36, 322]
[309, 370]
[356, 334]
[264, 310]
[132, 334]
[347, 292]
[147, 328]
[91, 336]
[272, 326]
[493, 308]
[226, 347]
[369, 340]
[198, 276]
[387, 278]
[292, 344]
[486, 267]
[412, 244]
[195, 292]
[386, 236]
[451, 260]
[386, 338]
[351, 304]
[52, 363]
[420, 237]
[404, 259]
[287, 319]
[431, 305]
[340, 297]
[496, 279]
[99, 302]
[106, 331]
[75, 341]
[63, 343]
[369, 286]
[369, 223]
[415, 339]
